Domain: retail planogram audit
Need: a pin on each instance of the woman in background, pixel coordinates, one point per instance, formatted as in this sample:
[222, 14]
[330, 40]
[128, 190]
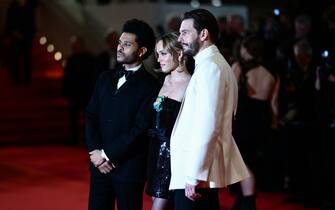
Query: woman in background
[257, 112]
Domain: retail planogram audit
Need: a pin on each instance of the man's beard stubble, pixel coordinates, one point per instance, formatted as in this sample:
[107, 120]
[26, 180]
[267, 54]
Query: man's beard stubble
[130, 59]
[192, 48]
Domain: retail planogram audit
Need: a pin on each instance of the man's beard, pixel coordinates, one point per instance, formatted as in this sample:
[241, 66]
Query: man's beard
[127, 59]
[192, 48]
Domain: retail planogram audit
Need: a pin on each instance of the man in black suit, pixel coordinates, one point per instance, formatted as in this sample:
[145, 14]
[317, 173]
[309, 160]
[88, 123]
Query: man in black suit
[117, 118]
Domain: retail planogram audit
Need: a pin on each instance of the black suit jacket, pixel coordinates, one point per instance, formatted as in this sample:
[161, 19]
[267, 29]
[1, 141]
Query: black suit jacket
[117, 121]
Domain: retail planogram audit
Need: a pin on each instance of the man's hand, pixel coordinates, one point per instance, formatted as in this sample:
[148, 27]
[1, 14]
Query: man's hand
[96, 158]
[190, 192]
[106, 167]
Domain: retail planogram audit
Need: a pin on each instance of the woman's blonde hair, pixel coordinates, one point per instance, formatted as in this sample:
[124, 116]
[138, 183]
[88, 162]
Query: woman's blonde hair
[171, 44]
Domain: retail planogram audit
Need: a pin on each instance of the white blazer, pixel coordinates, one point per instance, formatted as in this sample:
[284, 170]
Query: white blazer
[202, 146]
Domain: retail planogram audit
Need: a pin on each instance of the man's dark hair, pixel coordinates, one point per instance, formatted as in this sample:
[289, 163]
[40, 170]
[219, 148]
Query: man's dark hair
[145, 36]
[203, 19]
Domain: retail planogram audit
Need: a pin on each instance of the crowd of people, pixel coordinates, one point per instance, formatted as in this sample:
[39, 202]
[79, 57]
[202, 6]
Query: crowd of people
[285, 120]
[283, 127]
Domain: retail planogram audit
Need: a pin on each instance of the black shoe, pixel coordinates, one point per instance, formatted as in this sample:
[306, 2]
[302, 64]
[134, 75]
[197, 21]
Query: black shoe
[237, 204]
[245, 203]
[249, 202]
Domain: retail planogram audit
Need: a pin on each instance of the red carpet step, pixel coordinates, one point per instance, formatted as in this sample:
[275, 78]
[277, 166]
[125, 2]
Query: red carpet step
[34, 114]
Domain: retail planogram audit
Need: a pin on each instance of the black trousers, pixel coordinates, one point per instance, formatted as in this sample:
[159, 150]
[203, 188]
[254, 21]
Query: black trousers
[105, 191]
[209, 200]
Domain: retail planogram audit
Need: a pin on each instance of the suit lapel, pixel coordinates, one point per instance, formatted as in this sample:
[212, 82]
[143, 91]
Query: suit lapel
[129, 83]
[114, 80]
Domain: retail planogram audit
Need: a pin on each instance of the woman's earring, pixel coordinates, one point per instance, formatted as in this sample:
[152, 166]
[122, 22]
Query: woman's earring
[181, 66]
[181, 62]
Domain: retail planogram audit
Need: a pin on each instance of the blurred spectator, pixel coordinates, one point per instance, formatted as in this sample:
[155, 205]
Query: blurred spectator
[257, 112]
[229, 44]
[326, 109]
[173, 24]
[325, 85]
[273, 36]
[285, 23]
[106, 60]
[328, 41]
[330, 18]
[223, 25]
[223, 33]
[20, 29]
[302, 26]
[302, 131]
[303, 30]
[79, 80]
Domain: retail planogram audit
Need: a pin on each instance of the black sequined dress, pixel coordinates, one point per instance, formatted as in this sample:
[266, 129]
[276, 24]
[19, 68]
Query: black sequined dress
[159, 170]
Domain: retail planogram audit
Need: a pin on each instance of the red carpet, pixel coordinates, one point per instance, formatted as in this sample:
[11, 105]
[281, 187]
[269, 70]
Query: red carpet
[35, 177]
[56, 177]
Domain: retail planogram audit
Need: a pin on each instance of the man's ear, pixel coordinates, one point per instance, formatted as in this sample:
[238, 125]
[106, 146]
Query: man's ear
[204, 34]
[142, 51]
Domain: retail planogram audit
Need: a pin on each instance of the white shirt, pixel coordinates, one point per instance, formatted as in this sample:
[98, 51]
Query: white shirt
[122, 80]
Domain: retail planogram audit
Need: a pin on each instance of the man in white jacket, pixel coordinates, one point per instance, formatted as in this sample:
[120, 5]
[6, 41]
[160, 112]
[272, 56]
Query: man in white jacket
[204, 156]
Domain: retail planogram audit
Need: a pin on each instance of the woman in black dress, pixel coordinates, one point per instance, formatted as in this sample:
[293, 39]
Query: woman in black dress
[166, 107]
[256, 113]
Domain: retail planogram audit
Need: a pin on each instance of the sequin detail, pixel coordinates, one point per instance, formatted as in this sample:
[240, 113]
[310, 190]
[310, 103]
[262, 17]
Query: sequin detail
[159, 170]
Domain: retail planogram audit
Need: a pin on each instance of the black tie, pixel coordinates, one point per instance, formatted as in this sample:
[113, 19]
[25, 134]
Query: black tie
[122, 72]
